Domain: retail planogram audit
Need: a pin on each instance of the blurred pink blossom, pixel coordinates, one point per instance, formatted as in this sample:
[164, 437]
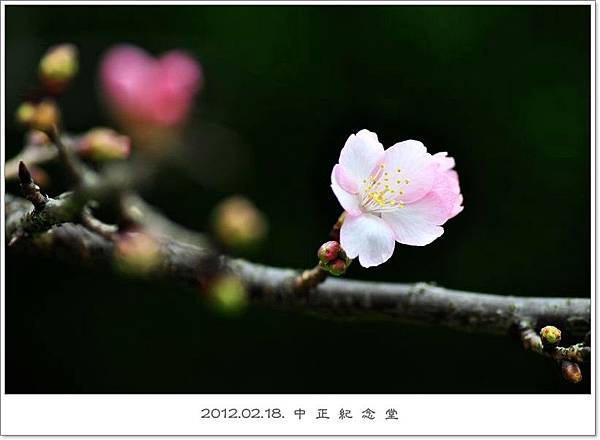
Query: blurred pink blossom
[401, 194]
[141, 89]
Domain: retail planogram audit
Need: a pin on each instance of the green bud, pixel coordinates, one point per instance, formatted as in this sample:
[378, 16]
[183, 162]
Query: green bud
[58, 66]
[42, 116]
[102, 144]
[25, 113]
[550, 335]
[228, 294]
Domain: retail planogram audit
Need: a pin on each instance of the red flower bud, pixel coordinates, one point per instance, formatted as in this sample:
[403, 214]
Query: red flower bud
[571, 371]
[328, 251]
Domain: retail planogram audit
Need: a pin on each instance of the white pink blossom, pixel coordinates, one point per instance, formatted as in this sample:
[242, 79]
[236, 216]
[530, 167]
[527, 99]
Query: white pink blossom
[403, 194]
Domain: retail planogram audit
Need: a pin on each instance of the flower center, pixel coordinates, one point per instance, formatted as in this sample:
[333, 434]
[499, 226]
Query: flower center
[381, 192]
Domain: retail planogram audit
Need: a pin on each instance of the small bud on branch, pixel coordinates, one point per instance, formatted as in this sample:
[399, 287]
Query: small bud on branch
[550, 336]
[571, 371]
[57, 67]
[102, 144]
[328, 251]
[41, 116]
[30, 190]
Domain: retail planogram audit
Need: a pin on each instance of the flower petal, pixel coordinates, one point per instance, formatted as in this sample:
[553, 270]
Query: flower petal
[446, 162]
[360, 154]
[446, 186]
[349, 201]
[416, 166]
[418, 223]
[344, 180]
[367, 237]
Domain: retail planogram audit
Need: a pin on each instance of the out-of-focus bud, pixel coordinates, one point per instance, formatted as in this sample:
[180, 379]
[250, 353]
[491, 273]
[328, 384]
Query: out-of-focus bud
[136, 253]
[104, 144]
[46, 116]
[550, 336]
[328, 251]
[238, 223]
[141, 89]
[42, 116]
[25, 113]
[571, 371]
[37, 138]
[58, 66]
[228, 294]
[333, 259]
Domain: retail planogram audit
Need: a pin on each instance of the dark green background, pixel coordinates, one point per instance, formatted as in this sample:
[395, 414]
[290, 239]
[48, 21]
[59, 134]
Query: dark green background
[504, 89]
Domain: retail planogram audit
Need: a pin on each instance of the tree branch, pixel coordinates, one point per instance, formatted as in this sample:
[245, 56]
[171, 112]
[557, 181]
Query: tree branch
[416, 303]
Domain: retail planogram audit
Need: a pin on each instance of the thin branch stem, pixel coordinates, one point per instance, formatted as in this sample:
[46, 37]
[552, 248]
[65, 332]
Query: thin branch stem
[73, 165]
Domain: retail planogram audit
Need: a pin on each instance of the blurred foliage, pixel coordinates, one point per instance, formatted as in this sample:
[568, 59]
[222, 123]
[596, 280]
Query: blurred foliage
[504, 89]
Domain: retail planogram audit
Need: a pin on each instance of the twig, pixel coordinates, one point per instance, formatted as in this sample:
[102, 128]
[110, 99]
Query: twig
[93, 224]
[532, 341]
[136, 210]
[73, 165]
[309, 279]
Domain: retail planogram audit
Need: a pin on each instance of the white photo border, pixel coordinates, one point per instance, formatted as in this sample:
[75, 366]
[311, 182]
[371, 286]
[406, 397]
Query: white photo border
[418, 414]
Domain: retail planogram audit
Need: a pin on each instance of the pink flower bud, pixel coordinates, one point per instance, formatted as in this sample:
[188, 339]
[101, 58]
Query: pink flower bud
[104, 144]
[328, 251]
[333, 259]
[140, 89]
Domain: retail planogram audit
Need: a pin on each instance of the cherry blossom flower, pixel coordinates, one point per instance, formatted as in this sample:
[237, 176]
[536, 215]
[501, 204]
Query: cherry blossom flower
[147, 90]
[401, 194]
